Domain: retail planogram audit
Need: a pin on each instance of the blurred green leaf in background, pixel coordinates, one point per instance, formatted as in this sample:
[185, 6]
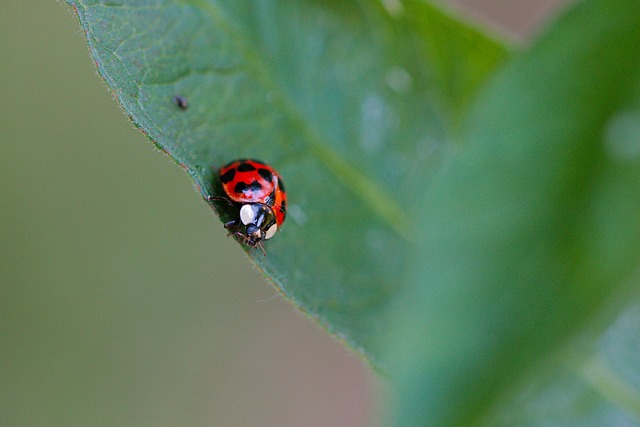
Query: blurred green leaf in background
[531, 227]
[463, 213]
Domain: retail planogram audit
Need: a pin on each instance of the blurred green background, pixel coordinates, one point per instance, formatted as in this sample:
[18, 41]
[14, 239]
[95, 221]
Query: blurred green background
[115, 308]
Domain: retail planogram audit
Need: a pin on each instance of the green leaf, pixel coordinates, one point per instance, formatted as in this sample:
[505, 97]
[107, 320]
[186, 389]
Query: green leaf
[448, 43]
[597, 385]
[340, 97]
[531, 227]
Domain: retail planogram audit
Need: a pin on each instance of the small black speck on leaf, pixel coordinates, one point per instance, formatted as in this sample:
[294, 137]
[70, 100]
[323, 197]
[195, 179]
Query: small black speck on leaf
[181, 102]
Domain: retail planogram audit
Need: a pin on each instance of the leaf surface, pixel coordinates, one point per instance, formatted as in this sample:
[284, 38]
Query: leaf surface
[345, 99]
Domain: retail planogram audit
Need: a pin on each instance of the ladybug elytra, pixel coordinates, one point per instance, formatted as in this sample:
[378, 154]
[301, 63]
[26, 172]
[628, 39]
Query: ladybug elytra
[257, 190]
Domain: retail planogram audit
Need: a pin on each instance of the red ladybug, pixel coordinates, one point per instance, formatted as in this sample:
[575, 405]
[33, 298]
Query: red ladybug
[257, 190]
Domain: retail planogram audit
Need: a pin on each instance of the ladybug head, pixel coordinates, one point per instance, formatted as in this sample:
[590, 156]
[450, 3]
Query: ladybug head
[260, 222]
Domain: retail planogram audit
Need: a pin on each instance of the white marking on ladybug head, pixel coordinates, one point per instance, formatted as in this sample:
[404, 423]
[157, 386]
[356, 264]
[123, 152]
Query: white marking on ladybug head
[247, 214]
[271, 231]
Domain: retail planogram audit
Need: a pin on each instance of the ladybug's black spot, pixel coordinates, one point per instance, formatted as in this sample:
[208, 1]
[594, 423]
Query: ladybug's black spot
[281, 185]
[266, 174]
[255, 186]
[283, 207]
[242, 187]
[227, 176]
[246, 167]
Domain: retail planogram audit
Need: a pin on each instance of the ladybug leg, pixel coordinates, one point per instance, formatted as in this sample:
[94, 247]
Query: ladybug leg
[231, 224]
[243, 239]
[240, 236]
[224, 199]
[262, 248]
[233, 227]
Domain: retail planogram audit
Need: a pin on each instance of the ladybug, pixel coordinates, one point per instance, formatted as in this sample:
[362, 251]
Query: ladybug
[257, 190]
